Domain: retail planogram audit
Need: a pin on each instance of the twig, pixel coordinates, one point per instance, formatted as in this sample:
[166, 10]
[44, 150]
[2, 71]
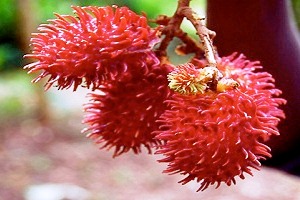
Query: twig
[169, 30]
[204, 33]
[190, 45]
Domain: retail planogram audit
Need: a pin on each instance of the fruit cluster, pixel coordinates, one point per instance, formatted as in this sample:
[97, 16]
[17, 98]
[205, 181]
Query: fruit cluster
[209, 122]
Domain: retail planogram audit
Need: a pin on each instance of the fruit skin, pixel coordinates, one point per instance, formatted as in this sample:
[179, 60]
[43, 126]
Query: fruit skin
[123, 115]
[92, 47]
[214, 137]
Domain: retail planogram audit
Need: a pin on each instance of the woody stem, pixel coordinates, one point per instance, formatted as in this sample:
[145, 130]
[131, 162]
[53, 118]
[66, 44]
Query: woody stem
[170, 29]
[204, 33]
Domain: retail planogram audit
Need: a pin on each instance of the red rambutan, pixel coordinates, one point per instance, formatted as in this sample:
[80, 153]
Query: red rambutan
[93, 46]
[123, 115]
[216, 136]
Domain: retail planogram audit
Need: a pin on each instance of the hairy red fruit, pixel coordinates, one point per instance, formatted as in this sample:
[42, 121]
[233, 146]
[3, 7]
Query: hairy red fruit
[93, 46]
[214, 137]
[123, 115]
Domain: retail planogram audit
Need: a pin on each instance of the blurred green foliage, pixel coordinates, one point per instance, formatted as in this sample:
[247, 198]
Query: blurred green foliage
[8, 19]
[14, 90]
[296, 9]
[10, 56]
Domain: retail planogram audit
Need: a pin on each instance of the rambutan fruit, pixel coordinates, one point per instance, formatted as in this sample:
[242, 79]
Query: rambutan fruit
[123, 115]
[92, 47]
[213, 137]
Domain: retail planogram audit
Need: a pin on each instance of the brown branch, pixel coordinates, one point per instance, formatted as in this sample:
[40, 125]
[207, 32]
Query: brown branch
[169, 30]
[190, 45]
[206, 35]
[161, 20]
